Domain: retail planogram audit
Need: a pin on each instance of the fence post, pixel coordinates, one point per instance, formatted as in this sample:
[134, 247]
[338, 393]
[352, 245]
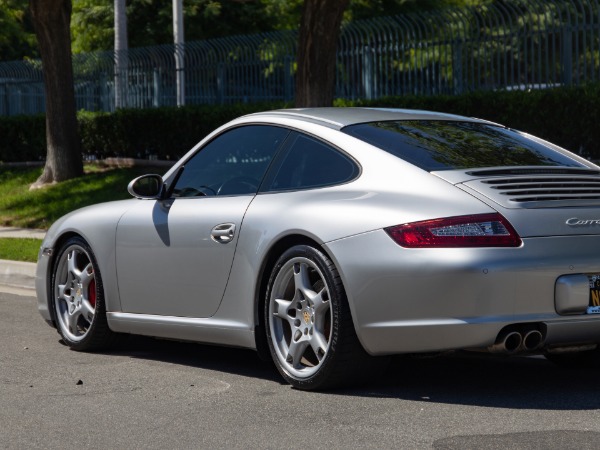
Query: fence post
[567, 56]
[121, 79]
[180, 74]
[457, 67]
[103, 88]
[156, 88]
[221, 83]
[287, 79]
[6, 102]
[367, 72]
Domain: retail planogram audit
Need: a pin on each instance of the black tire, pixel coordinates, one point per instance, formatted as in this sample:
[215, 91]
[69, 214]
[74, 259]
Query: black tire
[78, 298]
[587, 359]
[308, 325]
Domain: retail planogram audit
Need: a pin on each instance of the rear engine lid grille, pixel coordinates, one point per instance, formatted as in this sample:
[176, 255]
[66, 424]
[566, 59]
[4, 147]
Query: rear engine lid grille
[540, 191]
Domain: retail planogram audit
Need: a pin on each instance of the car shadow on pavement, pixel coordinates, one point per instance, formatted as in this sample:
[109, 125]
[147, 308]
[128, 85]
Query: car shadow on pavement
[237, 361]
[479, 379]
[458, 378]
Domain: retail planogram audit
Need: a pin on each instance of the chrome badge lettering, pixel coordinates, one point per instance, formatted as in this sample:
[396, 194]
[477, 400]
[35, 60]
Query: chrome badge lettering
[574, 222]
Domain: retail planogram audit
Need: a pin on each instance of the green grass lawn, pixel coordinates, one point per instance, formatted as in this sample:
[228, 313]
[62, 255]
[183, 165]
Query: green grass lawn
[21, 207]
[17, 249]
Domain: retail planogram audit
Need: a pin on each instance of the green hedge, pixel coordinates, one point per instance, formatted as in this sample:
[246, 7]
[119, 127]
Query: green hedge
[136, 133]
[566, 116]
[165, 132]
[22, 138]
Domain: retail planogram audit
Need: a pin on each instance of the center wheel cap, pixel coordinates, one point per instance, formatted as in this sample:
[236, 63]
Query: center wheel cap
[306, 316]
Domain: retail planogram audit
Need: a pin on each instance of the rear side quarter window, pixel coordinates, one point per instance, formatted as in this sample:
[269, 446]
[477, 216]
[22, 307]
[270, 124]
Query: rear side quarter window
[310, 163]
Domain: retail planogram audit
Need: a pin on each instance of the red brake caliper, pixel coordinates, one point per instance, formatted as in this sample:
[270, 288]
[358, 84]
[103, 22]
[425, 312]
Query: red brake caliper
[92, 293]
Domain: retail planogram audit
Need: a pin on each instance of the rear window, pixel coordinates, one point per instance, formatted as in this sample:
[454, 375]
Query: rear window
[446, 145]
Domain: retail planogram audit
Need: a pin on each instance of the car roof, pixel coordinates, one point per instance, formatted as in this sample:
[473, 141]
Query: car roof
[339, 118]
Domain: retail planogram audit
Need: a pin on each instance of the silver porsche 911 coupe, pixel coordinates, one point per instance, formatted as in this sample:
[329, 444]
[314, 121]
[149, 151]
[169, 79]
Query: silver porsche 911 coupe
[329, 238]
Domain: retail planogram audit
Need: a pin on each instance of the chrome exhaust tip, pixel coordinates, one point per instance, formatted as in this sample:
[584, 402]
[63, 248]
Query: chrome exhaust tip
[532, 340]
[507, 342]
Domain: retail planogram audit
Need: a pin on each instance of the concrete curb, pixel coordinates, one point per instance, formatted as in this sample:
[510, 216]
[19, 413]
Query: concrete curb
[17, 274]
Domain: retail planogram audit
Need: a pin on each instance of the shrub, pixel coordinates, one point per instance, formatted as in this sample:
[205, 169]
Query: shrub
[565, 116]
[22, 138]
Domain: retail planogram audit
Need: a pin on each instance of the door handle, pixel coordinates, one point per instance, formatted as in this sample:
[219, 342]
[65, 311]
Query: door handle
[223, 233]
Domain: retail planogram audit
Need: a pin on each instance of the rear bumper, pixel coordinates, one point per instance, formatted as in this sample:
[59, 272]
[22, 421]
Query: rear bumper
[423, 300]
[415, 337]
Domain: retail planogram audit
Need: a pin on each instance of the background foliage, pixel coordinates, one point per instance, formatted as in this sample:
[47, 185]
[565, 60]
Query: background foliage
[17, 38]
[565, 116]
[150, 21]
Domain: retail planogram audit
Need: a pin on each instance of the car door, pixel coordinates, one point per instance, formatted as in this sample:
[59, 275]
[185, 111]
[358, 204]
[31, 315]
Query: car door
[174, 256]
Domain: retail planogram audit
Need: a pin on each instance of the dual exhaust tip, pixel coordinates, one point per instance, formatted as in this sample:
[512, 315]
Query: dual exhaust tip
[515, 341]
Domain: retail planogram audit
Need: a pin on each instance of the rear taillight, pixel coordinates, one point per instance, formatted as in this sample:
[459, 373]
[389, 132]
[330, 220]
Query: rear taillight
[482, 230]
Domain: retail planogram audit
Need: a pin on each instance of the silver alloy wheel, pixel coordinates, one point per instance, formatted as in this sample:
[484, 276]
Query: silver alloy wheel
[300, 318]
[75, 292]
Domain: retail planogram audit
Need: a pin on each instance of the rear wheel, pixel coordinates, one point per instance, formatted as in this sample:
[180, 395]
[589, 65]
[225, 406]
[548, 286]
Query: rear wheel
[79, 298]
[308, 324]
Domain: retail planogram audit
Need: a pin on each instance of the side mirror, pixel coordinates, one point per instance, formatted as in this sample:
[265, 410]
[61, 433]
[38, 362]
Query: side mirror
[149, 187]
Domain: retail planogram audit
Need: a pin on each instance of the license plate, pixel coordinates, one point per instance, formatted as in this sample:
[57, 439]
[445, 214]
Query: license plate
[594, 304]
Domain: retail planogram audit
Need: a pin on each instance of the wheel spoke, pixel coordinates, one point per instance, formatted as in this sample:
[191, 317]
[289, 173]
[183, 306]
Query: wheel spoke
[282, 309]
[302, 280]
[87, 310]
[72, 320]
[87, 276]
[320, 302]
[318, 343]
[72, 261]
[296, 351]
[61, 292]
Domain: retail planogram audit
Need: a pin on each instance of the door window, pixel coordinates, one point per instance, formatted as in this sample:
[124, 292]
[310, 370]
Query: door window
[234, 163]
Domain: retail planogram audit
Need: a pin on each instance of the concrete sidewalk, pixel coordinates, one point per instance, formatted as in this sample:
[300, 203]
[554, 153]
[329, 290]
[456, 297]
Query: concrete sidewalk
[18, 277]
[11, 232]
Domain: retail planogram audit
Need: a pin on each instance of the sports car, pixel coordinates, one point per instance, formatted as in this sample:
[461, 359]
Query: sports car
[328, 239]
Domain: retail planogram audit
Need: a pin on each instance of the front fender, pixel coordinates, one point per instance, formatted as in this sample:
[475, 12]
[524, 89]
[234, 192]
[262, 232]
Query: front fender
[96, 224]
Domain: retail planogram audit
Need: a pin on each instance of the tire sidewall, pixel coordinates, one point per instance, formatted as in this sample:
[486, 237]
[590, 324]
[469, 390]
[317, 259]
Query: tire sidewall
[336, 298]
[99, 307]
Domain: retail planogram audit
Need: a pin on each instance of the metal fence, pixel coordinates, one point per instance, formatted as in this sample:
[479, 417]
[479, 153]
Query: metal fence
[518, 44]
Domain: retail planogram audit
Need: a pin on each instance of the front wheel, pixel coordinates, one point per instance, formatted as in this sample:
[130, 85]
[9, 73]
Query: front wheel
[308, 323]
[79, 298]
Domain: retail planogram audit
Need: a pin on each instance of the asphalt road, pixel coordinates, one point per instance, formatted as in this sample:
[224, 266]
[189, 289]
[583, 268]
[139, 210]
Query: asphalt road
[161, 394]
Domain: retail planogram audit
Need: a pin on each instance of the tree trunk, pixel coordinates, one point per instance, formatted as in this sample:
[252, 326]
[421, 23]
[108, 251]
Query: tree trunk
[51, 19]
[317, 44]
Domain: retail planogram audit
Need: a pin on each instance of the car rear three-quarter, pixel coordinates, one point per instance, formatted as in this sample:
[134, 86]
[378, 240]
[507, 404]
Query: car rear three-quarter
[522, 277]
